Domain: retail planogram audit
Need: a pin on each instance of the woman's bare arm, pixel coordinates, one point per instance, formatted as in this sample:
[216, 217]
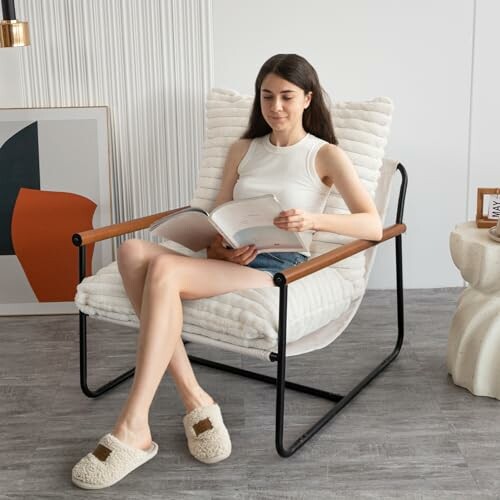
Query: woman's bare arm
[363, 222]
[217, 250]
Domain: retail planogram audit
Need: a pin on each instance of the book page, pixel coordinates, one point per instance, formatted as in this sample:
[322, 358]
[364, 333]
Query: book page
[191, 229]
[268, 239]
[250, 221]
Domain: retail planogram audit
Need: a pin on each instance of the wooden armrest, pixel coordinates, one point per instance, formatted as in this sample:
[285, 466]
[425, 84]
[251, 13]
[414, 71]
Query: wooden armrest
[106, 232]
[327, 259]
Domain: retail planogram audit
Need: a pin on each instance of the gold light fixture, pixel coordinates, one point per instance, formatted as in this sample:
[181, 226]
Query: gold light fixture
[13, 33]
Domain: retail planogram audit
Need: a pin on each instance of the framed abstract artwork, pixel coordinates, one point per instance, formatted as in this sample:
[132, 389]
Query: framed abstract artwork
[54, 181]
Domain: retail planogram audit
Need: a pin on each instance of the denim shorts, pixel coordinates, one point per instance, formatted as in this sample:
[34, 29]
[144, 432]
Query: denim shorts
[275, 262]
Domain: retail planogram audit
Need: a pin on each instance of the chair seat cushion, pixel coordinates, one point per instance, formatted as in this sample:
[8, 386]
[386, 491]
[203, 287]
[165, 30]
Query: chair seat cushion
[247, 318]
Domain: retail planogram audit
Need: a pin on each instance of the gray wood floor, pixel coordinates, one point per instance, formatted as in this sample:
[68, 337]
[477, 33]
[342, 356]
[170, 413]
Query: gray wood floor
[411, 434]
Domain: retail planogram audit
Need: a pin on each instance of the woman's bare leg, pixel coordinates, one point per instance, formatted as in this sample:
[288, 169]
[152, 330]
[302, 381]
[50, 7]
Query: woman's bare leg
[133, 259]
[168, 277]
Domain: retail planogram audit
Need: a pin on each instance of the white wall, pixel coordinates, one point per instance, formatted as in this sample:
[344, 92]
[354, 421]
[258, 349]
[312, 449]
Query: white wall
[429, 57]
[485, 130]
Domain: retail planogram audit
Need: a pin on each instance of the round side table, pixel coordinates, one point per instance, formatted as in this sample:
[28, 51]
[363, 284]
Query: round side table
[474, 339]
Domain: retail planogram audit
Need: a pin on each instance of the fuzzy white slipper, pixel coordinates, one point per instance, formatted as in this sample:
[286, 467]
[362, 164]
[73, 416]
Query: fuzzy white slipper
[208, 438]
[111, 461]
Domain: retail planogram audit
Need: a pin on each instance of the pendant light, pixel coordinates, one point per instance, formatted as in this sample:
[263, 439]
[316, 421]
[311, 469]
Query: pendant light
[13, 33]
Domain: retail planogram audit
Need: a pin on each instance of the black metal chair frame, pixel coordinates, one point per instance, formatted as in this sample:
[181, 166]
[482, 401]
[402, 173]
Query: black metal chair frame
[280, 280]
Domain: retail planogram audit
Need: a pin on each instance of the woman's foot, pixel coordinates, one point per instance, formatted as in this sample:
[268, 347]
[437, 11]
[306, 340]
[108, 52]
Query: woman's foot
[134, 435]
[207, 436]
[196, 399]
[110, 462]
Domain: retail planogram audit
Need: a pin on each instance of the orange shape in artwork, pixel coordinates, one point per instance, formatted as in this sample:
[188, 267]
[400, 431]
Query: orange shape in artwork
[43, 223]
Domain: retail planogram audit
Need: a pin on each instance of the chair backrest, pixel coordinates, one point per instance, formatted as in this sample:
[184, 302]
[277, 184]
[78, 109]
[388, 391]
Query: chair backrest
[382, 199]
[362, 129]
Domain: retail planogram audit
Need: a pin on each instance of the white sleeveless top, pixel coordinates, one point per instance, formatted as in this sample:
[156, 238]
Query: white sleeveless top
[288, 172]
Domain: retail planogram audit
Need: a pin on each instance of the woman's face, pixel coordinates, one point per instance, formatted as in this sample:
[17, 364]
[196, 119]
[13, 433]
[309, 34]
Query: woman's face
[282, 103]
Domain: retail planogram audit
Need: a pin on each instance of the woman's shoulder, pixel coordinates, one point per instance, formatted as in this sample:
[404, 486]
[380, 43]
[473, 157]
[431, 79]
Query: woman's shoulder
[237, 151]
[239, 148]
[329, 151]
[330, 157]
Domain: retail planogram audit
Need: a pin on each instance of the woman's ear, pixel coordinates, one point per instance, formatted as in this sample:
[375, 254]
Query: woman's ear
[308, 99]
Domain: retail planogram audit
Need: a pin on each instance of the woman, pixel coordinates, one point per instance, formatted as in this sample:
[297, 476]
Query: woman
[289, 149]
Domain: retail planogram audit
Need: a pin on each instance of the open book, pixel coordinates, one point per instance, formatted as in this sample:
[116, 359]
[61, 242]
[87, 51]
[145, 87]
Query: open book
[241, 222]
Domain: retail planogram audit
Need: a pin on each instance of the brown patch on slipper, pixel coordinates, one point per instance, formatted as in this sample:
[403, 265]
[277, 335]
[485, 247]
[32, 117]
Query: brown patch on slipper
[101, 452]
[202, 426]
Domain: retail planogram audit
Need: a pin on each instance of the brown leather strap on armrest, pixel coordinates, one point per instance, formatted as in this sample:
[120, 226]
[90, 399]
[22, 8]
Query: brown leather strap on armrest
[106, 232]
[327, 259]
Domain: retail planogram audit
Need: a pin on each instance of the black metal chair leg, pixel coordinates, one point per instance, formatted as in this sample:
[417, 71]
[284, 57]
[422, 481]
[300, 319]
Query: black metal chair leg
[281, 357]
[83, 366]
[327, 417]
[265, 378]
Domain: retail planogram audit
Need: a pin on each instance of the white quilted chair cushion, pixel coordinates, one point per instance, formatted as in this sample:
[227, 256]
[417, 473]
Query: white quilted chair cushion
[248, 319]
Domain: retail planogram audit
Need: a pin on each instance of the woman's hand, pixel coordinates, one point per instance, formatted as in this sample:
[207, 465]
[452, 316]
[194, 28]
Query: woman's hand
[242, 256]
[295, 219]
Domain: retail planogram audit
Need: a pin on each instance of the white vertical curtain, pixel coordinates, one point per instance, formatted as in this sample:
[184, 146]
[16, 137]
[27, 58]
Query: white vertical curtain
[151, 63]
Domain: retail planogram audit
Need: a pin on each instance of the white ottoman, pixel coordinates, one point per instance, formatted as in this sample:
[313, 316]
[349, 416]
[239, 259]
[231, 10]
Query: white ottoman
[474, 339]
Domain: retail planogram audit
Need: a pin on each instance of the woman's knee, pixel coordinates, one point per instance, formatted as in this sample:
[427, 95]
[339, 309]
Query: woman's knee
[130, 251]
[164, 268]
